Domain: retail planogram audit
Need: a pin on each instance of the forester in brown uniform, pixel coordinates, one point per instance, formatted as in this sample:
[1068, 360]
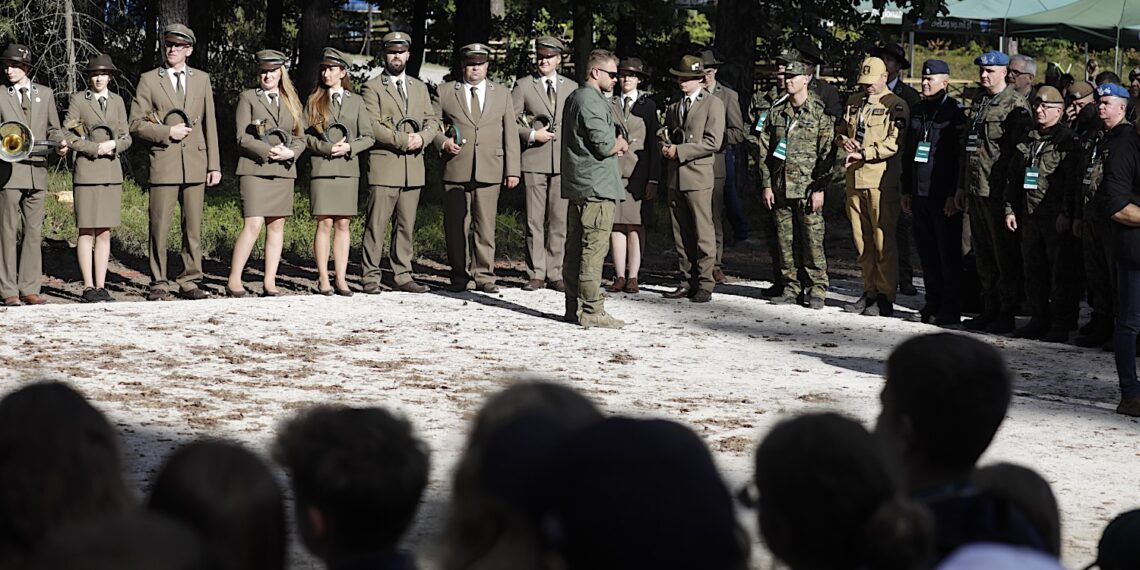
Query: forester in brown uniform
[543, 92]
[96, 124]
[395, 164]
[25, 182]
[697, 120]
[485, 157]
[267, 166]
[184, 157]
[334, 155]
[733, 134]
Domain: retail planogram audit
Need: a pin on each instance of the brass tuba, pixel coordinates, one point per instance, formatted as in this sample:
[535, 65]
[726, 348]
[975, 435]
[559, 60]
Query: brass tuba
[17, 141]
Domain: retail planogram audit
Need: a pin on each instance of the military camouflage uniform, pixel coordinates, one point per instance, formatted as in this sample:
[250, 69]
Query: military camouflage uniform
[809, 132]
[1049, 255]
[995, 123]
[1096, 233]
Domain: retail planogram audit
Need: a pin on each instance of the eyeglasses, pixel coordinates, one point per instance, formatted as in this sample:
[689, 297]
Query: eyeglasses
[612, 74]
[1015, 73]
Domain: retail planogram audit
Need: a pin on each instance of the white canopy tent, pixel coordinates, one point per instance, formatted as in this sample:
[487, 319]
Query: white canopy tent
[1111, 22]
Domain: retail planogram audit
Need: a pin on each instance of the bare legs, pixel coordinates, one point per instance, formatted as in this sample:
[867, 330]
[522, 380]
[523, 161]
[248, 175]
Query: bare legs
[341, 240]
[274, 238]
[93, 250]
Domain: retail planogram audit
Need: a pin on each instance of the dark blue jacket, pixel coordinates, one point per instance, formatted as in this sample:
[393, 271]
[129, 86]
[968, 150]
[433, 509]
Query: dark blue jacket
[1121, 187]
[941, 122]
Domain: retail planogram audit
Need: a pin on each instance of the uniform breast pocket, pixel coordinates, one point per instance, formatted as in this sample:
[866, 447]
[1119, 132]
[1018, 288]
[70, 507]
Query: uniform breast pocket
[994, 130]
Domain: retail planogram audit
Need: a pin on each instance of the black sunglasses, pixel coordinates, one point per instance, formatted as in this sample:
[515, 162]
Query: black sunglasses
[612, 74]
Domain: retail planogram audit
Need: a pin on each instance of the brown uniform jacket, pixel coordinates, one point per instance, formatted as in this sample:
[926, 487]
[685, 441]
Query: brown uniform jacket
[641, 164]
[44, 122]
[253, 160]
[188, 160]
[529, 96]
[89, 167]
[491, 150]
[884, 119]
[352, 115]
[733, 124]
[704, 135]
[389, 162]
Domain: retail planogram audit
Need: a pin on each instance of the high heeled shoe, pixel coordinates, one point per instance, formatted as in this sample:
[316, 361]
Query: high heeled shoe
[235, 293]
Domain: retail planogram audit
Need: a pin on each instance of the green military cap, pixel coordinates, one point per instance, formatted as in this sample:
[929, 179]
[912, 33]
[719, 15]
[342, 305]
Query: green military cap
[180, 33]
[18, 54]
[1081, 89]
[333, 56]
[798, 68]
[393, 41]
[547, 45]
[690, 67]
[1049, 94]
[271, 59]
[475, 53]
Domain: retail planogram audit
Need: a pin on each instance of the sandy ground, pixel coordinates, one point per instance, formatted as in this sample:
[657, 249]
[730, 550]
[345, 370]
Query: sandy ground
[169, 372]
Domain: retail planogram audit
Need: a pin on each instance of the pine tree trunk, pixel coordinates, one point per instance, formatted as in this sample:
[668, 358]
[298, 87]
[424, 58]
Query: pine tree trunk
[627, 35]
[202, 22]
[274, 14]
[313, 35]
[419, 36]
[583, 38]
[475, 18]
[736, 29]
[173, 12]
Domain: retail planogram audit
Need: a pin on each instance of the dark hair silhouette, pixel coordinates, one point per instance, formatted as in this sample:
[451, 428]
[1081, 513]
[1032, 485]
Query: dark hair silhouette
[59, 465]
[135, 541]
[229, 497]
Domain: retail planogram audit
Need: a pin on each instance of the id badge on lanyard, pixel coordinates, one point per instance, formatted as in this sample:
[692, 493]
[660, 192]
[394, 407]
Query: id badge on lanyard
[972, 138]
[760, 121]
[922, 153]
[1032, 172]
[781, 151]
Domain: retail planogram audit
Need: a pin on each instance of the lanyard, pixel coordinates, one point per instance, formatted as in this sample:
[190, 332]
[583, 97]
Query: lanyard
[981, 112]
[928, 120]
[1037, 153]
[790, 123]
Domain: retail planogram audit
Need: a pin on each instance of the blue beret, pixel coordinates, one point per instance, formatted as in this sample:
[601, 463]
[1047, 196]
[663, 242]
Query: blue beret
[1112, 90]
[992, 58]
[935, 67]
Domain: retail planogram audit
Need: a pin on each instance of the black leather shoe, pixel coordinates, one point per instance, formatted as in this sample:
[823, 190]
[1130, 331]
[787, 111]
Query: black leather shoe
[371, 289]
[678, 293]
[90, 295]
[326, 292]
[980, 322]
[344, 292]
[886, 306]
[105, 295]
[558, 285]
[195, 294]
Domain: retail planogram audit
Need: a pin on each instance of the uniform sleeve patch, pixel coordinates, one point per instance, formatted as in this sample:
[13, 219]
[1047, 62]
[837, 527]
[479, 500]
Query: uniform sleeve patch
[878, 111]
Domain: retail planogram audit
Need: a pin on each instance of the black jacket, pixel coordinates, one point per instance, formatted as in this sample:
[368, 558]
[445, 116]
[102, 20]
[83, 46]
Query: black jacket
[1121, 187]
[941, 122]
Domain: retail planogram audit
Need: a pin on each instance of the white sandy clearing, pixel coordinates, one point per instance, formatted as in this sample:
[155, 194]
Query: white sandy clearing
[169, 372]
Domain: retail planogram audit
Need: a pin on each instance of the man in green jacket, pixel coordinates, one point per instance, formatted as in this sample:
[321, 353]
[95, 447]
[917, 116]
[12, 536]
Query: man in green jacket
[591, 181]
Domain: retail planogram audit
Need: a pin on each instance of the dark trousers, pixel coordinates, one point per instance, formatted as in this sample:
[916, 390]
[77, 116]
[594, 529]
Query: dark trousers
[903, 232]
[733, 205]
[1127, 326]
[939, 242]
[998, 255]
[1050, 269]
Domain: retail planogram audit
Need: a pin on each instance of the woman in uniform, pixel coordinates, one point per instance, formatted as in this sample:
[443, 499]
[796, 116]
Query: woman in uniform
[333, 153]
[269, 126]
[640, 169]
[96, 125]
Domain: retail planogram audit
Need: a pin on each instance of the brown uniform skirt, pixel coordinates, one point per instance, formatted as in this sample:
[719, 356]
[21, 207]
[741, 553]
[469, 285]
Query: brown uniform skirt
[334, 196]
[628, 213]
[98, 205]
[266, 196]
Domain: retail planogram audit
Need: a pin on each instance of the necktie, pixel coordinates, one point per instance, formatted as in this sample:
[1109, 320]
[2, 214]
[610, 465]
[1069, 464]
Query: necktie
[403, 94]
[103, 104]
[551, 95]
[625, 106]
[685, 109]
[181, 87]
[336, 100]
[476, 107]
[25, 103]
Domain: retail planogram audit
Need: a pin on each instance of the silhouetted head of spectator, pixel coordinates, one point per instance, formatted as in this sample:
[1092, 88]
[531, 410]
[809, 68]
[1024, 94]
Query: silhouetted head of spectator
[829, 496]
[136, 541]
[498, 481]
[1028, 491]
[1119, 547]
[229, 497]
[357, 475]
[59, 464]
[1107, 77]
[640, 494]
[945, 397]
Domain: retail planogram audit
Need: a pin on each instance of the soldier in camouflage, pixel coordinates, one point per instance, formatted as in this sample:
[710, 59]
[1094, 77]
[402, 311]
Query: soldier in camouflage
[1094, 232]
[998, 118]
[797, 154]
[1041, 171]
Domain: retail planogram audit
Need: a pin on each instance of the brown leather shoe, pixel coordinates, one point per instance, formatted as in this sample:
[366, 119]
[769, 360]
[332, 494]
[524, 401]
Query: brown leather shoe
[412, 287]
[631, 285]
[488, 287]
[1129, 406]
[718, 276]
[534, 285]
[618, 286]
[158, 295]
[194, 294]
[12, 302]
[701, 296]
[558, 285]
[32, 299]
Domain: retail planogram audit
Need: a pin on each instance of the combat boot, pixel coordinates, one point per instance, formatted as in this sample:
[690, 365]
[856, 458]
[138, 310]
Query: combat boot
[861, 305]
[785, 298]
[600, 320]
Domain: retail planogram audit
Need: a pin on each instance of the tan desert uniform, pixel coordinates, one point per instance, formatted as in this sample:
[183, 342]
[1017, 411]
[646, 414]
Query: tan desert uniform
[395, 176]
[489, 153]
[266, 185]
[873, 186]
[98, 179]
[690, 182]
[733, 134]
[24, 183]
[177, 168]
[542, 169]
